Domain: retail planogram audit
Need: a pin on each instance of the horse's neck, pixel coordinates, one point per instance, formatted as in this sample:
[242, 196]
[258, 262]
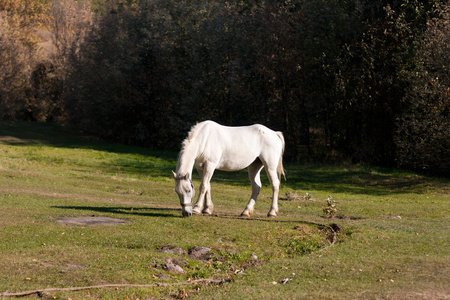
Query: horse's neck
[187, 159]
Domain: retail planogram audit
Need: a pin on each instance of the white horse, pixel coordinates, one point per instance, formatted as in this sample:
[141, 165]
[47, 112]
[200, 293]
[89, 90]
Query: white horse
[210, 146]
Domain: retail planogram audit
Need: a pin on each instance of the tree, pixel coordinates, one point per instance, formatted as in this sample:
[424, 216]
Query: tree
[70, 23]
[18, 53]
[118, 84]
[372, 80]
[423, 136]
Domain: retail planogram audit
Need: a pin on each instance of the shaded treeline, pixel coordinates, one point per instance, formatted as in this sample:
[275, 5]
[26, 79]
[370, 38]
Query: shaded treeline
[343, 79]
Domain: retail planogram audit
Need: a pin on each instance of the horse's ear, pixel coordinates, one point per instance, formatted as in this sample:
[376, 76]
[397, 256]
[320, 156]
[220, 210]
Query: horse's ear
[174, 175]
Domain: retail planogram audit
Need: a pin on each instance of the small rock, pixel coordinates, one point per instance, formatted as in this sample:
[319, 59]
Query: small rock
[172, 268]
[171, 249]
[202, 253]
[175, 261]
[161, 276]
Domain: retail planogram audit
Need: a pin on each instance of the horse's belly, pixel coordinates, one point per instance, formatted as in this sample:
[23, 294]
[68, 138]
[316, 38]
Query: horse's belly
[235, 164]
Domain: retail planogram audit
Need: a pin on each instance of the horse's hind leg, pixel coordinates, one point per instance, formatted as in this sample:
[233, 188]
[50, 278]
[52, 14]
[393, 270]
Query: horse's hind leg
[275, 184]
[254, 171]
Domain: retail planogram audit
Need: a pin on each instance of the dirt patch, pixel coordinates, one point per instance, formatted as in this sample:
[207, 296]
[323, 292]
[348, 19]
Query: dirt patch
[392, 217]
[91, 221]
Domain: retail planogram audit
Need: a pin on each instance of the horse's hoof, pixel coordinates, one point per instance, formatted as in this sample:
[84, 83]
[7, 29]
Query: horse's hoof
[196, 212]
[207, 211]
[246, 214]
[272, 215]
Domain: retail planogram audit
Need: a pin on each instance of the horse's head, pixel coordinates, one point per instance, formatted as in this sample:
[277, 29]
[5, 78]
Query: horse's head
[185, 190]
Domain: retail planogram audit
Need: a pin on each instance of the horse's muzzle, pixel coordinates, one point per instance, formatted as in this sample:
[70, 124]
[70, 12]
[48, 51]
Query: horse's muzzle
[187, 210]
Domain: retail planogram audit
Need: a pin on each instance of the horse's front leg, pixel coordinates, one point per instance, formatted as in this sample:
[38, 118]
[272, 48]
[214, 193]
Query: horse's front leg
[209, 206]
[200, 206]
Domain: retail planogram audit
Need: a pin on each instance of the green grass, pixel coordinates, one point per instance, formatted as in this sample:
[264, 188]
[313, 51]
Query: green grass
[49, 172]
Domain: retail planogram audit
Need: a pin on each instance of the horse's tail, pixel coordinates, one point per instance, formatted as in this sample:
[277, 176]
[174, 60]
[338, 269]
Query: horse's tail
[280, 168]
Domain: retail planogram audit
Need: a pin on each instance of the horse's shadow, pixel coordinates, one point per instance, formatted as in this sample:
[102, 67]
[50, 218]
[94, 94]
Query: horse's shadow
[136, 211]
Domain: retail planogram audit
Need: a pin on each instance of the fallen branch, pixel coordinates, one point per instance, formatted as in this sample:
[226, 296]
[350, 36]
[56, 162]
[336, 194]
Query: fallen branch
[40, 292]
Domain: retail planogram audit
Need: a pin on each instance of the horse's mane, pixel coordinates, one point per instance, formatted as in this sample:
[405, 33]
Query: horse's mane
[190, 137]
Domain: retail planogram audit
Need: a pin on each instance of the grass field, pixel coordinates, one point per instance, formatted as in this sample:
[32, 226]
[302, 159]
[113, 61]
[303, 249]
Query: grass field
[393, 241]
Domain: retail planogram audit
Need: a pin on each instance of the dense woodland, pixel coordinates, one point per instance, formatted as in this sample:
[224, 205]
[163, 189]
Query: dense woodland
[345, 80]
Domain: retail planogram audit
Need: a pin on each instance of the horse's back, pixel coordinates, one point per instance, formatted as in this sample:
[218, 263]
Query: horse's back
[255, 136]
[252, 134]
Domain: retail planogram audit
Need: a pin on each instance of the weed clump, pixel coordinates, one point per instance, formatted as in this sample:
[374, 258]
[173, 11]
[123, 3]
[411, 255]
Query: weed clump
[303, 246]
[330, 209]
